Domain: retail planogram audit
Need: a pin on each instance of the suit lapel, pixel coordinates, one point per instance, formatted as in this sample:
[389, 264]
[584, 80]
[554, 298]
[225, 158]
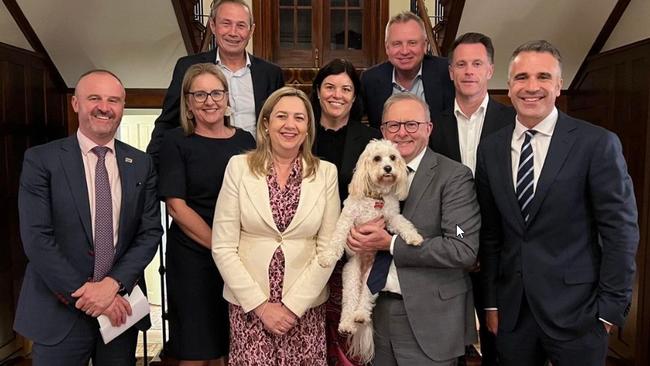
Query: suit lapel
[73, 166]
[125, 165]
[258, 194]
[310, 191]
[558, 151]
[451, 136]
[432, 86]
[504, 161]
[423, 177]
[259, 85]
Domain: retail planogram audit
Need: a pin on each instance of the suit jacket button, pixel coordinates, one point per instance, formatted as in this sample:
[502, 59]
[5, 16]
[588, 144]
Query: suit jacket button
[91, 253]
[278, 239]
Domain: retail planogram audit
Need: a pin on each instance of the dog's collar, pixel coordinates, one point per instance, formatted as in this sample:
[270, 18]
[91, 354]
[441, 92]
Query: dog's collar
[379, 200]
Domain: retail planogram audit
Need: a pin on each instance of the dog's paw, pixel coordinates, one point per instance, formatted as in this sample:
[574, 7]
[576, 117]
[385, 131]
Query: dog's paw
[413, 239]
[327, 259]
[347, 327]
[361, 317]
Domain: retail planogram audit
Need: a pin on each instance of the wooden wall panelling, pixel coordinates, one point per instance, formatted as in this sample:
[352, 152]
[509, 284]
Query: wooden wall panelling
[613, 91]
[32, 112]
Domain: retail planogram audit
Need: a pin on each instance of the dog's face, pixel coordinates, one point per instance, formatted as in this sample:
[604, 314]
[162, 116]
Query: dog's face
[380, 170]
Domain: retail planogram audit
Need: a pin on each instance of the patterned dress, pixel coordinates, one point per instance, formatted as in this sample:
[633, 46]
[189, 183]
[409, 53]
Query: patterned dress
[304, 344]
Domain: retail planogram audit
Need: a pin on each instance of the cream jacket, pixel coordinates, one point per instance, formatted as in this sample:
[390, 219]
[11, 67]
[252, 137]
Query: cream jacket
[244, 238]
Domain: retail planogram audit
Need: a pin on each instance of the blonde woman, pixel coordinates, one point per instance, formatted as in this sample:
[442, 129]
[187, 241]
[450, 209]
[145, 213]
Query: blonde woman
[277, 204]
[192, 165]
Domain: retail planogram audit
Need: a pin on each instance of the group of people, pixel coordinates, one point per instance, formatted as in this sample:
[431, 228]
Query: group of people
[528, 215]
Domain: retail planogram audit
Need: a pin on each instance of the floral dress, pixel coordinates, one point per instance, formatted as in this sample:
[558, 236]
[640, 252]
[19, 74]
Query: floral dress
[304, 344]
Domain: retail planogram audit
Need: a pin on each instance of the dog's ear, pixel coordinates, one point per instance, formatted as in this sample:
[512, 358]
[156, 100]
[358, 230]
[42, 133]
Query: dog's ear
[358, 184]
[401, 187]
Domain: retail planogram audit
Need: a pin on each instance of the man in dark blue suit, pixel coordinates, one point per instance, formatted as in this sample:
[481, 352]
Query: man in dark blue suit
[250, 79]
[559, 225]
[89, 223]
[458, 131]
[408, 69]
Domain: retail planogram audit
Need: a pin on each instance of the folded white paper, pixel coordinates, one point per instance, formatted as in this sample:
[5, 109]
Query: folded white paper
[139, 309]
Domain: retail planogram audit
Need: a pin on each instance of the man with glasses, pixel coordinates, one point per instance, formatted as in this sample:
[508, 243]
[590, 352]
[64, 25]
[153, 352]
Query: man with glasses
[425, 311]
[250, 79]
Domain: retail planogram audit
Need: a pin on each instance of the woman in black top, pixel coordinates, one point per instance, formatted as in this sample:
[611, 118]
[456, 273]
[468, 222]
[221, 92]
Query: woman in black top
[340, 139]
[193, 159]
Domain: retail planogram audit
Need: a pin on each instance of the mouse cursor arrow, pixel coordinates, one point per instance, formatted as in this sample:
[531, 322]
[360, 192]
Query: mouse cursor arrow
[459, 232]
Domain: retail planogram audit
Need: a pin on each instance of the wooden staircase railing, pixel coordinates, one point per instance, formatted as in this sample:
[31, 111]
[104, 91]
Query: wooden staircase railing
[447, 18]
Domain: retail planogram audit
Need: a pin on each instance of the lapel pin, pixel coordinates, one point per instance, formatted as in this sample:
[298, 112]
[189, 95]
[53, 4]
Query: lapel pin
[128, 160]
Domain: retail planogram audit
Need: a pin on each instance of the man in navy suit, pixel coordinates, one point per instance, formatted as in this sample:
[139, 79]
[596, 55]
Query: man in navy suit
[559, 225]
[250, 79]
[89, 223]
[458, 131]
[408, 69]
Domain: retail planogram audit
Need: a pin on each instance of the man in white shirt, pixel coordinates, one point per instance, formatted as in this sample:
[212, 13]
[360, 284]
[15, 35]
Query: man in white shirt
[425, 312]
[458, 131]
[559, 225]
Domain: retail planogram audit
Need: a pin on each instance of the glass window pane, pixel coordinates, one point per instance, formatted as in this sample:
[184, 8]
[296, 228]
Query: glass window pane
[337, 29]
[355, 32]
[355, 2]
[286, 28]
[304, 29]
[304, 2]
[337, 3]
[286, 2]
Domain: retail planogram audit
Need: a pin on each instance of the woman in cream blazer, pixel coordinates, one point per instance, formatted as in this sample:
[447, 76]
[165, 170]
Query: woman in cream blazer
[246, 239]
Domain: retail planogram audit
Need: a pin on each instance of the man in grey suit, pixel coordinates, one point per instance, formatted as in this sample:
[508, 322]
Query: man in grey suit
[425, 311]
[89, 223]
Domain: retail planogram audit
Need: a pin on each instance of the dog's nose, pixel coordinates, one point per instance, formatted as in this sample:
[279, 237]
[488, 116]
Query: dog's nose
[388, 168]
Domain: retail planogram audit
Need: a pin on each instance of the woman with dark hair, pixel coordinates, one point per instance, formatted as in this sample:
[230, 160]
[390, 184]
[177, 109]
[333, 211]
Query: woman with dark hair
[340, 139]
[192, 164]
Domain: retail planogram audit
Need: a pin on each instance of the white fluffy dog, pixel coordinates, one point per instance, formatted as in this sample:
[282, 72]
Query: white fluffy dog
[378, 184]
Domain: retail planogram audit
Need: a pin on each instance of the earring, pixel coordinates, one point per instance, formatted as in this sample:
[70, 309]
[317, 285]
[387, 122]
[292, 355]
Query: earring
[228, 112]
[266, 131]
[189, 115]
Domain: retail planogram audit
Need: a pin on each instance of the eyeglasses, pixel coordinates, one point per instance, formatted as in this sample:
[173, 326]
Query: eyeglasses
[201, 96]
[409, 126]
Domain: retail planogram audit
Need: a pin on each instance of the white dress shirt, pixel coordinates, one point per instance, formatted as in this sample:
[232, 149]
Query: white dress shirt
[90, 163]
[240, 96]
[469, 132]
[392, 282]
[540, 143]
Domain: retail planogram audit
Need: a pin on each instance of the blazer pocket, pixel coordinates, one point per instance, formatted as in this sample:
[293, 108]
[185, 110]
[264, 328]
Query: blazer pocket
[455, 288]
[580, 275]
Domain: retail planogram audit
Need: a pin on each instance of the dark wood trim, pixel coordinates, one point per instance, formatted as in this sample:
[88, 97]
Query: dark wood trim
[601, 39]
[451, 28]
[183, 19]
[263, 41]
[145, 98]
[35, 42]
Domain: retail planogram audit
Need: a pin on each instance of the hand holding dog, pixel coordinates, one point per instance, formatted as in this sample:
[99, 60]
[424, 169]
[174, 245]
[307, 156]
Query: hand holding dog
[369, 237]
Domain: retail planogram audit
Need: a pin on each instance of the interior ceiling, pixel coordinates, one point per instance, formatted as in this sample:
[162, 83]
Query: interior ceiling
[140, 40]
[571, 26]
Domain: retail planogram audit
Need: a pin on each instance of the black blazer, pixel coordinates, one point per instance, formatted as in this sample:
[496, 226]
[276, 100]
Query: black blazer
[266, 76]
[56, 232]
[356, 139]
[444, 138]
[438, 88]
[574, 258]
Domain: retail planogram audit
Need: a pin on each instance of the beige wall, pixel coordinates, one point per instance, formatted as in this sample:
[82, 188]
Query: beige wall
[633, 26]
[9, 31]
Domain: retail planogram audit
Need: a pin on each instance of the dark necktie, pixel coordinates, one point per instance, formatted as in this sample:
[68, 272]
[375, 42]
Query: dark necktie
[379, 271]
[104, 248]
[525, 175]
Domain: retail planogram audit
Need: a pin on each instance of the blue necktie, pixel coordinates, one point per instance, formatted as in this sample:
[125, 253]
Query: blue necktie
[104, 248]
[525, 174]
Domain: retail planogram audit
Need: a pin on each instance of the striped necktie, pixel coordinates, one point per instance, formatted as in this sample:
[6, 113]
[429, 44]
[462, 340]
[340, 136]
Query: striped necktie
[104, 248]
[525, 183]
